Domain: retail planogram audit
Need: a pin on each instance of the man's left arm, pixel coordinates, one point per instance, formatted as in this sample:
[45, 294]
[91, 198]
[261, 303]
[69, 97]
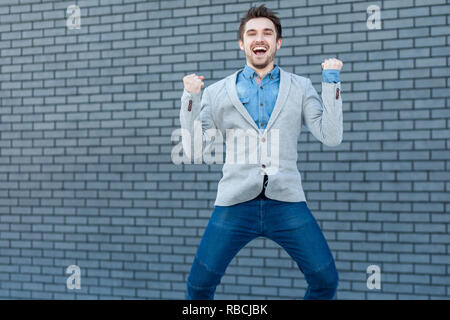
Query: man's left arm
[324, 117]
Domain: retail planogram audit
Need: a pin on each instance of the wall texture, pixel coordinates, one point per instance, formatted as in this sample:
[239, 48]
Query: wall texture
[86, 117]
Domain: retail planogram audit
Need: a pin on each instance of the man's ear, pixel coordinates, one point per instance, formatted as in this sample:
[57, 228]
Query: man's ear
[241, 45]
[279, 43]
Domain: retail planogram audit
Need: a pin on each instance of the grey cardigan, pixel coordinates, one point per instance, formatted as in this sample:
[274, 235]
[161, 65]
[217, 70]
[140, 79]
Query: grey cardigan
[219, 109]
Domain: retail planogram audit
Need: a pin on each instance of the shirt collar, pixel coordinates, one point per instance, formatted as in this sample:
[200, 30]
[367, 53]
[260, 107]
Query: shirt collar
[249, 72]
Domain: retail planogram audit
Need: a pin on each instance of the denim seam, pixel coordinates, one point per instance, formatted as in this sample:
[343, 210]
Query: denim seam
[261, 206]
[197, 287]
[206, 267]
[323, 267]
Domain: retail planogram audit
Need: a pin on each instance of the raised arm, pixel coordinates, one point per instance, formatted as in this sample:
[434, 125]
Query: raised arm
[196, 120]
[323, 117]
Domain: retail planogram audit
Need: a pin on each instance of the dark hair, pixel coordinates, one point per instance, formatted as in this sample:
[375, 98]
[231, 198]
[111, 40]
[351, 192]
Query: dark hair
[260, 12]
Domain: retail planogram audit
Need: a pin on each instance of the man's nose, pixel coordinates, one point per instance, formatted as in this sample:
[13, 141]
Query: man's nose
[260, 37]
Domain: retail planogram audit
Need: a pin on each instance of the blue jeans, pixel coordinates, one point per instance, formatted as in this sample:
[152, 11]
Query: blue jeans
[290, 224]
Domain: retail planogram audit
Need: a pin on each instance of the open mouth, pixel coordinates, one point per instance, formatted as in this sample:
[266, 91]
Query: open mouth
[259, 51]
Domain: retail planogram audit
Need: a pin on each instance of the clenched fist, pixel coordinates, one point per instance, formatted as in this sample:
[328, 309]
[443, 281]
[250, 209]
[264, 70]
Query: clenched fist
[193, 83]
[332, 64]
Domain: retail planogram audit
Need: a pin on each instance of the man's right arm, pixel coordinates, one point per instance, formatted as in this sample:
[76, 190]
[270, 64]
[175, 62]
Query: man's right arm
[196, 122]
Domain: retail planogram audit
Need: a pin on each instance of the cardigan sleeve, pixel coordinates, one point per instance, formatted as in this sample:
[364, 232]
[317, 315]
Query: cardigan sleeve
[323, 117]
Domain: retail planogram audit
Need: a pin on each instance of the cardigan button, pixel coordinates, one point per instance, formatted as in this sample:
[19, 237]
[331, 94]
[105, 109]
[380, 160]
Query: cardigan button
[263, 165]
[263, 139]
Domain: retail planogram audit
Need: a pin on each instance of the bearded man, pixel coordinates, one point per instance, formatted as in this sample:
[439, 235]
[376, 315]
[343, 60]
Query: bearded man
[258, 199]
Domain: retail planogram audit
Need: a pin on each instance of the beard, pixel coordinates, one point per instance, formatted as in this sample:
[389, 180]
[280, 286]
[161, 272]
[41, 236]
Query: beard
[260, 63]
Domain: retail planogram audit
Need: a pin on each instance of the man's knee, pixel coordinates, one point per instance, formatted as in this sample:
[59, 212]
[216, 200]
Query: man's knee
[326, 277]
[201, 282]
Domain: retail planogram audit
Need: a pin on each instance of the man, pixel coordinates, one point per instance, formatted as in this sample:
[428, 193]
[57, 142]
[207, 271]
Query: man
[253, 200]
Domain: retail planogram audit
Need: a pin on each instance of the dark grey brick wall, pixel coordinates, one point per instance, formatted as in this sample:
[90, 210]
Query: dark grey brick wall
[86, 174]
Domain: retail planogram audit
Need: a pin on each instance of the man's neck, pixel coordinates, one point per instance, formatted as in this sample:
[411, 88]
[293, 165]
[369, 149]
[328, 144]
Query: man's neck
[262, 72]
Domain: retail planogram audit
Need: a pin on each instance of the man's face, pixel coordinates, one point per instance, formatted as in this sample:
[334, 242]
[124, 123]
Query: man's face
[260, 42]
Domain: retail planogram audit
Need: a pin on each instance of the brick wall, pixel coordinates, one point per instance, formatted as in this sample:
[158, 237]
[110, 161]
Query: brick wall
[86, 175]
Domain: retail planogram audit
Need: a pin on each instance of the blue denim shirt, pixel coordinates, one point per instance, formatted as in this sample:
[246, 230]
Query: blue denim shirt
[259, 100]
